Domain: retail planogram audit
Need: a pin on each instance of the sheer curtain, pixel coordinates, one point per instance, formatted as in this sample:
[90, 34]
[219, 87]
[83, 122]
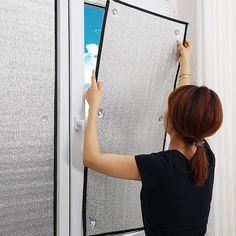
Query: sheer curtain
[215, 22]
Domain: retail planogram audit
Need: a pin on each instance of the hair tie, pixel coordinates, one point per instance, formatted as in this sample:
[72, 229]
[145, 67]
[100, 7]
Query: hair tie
[199, 143]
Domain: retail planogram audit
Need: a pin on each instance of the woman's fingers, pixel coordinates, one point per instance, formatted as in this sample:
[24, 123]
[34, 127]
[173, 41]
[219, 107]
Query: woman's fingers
[188, 44]
[100, 86]
[93, 79]
[178, 43]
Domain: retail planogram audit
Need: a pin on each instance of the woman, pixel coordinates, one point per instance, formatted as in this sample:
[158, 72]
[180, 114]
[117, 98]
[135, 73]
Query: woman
[176, 183]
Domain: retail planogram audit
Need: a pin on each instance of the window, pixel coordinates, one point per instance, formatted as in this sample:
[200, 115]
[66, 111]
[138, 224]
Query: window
[131, 119]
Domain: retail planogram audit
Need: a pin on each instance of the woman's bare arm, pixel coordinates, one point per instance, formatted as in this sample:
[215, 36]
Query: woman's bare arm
[185, 53]
[115, 165]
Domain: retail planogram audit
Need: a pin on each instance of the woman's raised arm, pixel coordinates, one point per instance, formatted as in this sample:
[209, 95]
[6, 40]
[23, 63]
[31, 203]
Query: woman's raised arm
[184, 73]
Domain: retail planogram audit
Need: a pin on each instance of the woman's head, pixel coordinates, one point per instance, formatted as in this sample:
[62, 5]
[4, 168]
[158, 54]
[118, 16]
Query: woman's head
[194, 113]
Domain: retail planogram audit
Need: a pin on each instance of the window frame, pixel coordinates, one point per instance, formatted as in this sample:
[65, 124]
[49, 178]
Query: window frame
[62, 72]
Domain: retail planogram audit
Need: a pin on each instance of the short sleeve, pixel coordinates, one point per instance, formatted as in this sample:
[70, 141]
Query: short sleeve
[151, 167]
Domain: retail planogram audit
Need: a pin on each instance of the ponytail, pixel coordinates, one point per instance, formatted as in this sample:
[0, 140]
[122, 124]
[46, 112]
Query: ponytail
[199, 166]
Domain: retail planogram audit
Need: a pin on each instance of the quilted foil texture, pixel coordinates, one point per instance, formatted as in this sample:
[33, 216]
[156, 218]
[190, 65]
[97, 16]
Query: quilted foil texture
[138, 66]
[27, 88]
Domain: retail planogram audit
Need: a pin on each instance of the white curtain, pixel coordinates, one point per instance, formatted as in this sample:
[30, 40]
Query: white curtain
[216, 68]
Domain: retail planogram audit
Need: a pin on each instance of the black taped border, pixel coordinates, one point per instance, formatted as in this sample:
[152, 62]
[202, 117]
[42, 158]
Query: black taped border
[119, 232]
[97, 73]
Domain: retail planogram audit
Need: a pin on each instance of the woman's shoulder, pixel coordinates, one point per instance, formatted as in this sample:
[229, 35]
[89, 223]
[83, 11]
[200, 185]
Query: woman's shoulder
[151, 166]
[153, 159]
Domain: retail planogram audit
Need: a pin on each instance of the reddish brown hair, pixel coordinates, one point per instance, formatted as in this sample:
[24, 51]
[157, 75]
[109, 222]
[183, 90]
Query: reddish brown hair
[195, 113]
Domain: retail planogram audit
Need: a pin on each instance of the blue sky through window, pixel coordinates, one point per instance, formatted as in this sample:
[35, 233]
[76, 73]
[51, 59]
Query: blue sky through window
[93, 17]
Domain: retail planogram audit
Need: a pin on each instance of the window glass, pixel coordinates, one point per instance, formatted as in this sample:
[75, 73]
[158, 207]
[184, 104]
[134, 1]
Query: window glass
[93, 17]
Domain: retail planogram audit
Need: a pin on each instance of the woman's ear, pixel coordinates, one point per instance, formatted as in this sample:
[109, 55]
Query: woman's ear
[168, 124]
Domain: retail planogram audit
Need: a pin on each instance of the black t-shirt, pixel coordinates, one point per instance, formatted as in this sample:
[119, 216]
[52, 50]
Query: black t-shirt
[171, 203]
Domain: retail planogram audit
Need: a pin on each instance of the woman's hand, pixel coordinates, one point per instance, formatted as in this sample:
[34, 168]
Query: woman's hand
[93, 95]
[185, 50]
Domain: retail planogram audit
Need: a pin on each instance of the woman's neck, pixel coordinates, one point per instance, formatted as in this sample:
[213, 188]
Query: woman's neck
[176, 142]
